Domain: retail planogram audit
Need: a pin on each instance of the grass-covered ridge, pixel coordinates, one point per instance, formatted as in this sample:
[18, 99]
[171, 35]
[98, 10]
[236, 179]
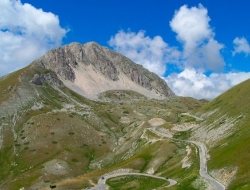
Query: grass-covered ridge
[231, 111]
[135, 182]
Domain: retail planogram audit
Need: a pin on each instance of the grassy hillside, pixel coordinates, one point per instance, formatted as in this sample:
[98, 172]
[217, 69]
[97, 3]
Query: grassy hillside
[229, 114]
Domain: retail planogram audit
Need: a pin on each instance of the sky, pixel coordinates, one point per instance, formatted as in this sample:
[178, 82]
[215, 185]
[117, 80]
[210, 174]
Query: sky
[200, 48]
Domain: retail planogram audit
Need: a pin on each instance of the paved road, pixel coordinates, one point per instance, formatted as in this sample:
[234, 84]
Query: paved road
[102, 181]
[203, 160]
[203, 166]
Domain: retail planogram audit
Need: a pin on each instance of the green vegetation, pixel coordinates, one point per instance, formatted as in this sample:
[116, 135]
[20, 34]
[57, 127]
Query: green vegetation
[135, 182]
[74, 160]
[187, 119]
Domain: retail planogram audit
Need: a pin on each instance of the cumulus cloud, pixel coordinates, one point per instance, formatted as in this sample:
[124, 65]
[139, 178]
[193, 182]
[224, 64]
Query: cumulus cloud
[200, 49]
[200, 53]
[152, 53]
[25, 34]
[241, 45]
[191, 82]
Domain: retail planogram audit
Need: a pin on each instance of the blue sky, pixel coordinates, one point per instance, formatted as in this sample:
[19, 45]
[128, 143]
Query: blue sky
[201, 48]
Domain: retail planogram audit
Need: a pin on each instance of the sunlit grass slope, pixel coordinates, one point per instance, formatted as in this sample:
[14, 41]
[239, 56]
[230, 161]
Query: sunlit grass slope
[234, 150]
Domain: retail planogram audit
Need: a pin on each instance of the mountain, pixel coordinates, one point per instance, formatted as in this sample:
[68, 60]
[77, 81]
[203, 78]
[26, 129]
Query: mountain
[90, 69]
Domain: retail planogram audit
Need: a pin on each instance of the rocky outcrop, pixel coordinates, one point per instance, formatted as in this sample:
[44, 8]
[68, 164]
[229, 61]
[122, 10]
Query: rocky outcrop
[51, 78]
[60, 61]
[64, 61]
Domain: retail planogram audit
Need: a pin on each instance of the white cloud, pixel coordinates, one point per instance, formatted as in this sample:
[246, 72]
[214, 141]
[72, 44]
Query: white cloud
[191, 25]
[152, 53]
[25, 34]
[241, 45]
[200, 49]
[193, 83]
[201, 53]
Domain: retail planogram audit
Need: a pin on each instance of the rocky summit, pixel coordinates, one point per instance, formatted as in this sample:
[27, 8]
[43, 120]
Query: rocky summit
[90, 69]
[86, 117]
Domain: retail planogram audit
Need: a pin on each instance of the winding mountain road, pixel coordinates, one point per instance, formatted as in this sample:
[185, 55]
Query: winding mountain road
[203, 159]
[203, 166]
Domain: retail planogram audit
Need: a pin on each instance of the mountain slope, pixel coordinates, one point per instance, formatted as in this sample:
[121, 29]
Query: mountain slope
[90, 69]
[51, 135]
[225, 130]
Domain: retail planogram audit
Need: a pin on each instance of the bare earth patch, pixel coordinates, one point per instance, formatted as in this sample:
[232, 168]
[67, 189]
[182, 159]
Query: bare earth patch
[56, 167]
[184, 127]
[225, 175]
[155, 122]
[186, 163]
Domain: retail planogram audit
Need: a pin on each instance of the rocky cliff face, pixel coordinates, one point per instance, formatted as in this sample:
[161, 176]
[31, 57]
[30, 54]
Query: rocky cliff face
[75, 58]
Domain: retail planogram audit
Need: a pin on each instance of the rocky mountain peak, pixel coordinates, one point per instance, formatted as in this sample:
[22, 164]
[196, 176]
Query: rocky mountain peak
[91, 69]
